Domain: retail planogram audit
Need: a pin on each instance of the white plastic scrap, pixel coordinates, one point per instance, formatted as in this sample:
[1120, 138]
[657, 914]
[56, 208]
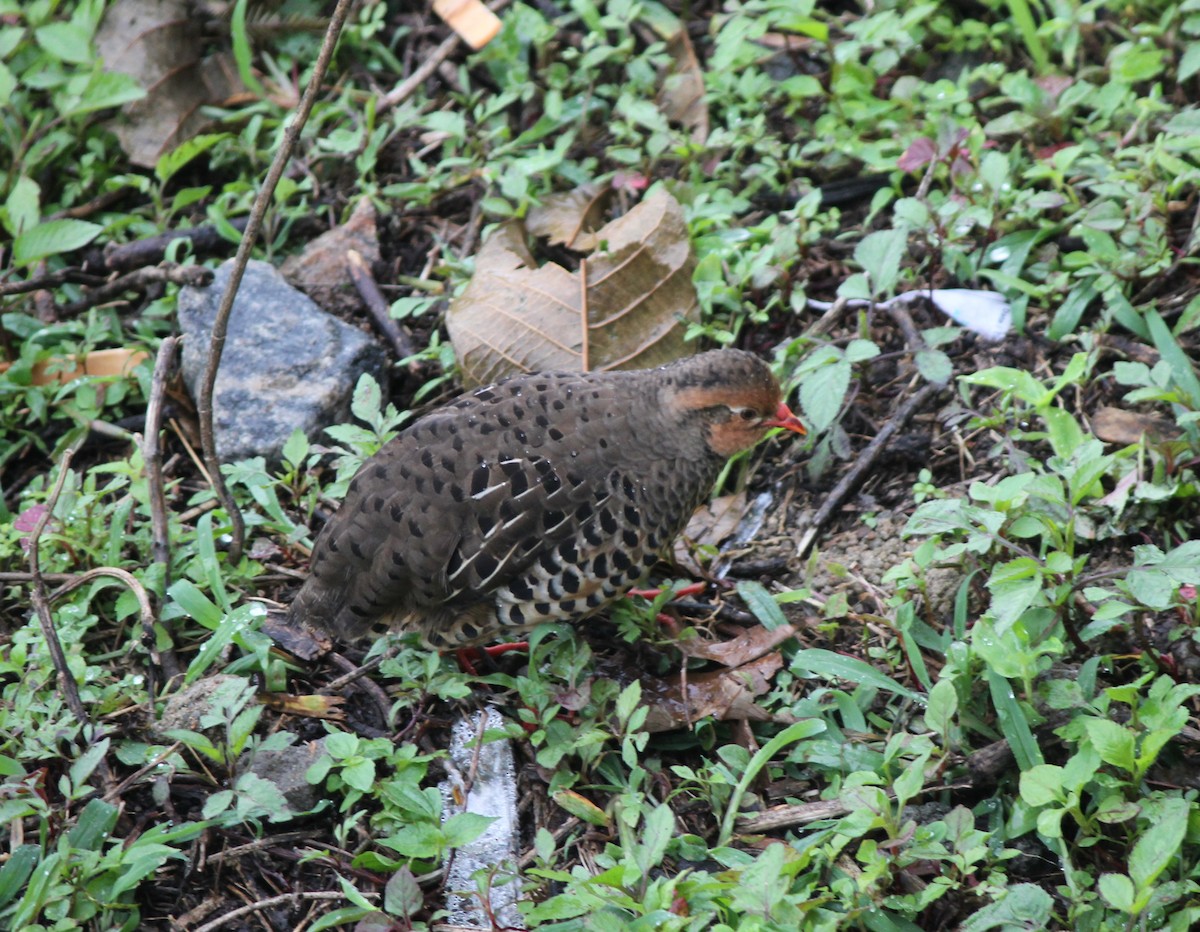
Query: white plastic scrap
[492, 793]
[984, 312]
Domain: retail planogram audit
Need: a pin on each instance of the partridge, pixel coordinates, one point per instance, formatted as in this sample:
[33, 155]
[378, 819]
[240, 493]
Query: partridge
[540, 498]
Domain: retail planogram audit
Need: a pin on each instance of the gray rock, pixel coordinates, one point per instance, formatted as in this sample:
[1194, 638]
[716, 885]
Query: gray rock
[286, 768]
[286, 365]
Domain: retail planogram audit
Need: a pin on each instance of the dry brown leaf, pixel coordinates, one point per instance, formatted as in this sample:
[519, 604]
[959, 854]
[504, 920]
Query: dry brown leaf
[308, 706]
[321, 270]
[1116, 425]
[709, 525]
[749, 645]
[514, 318]
[158, 43]
[681, 97]
[724, 694]
[570, 218]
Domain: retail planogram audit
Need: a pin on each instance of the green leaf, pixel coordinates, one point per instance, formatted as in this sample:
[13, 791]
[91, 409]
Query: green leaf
[822, 393]
[793, 733]
[1014, 586]
[1012, 722]
[879, 254]
[242, 51]
[52, 238]
[942, 707]
[169, 163]
[359, 775]
[1114, 743]
[1182, 371]
[934, 366]
[1042, 785]
[68, 42]
[827, 664]
[16, 871]
[628, 701]
[23, 207]
[104, 90]
[1160, 843]
[1020, 906]
[1018, 381]
[465, 827]
[761, 604]
[94, 825]
[581, 807]
[1117, 890]
[657, 832]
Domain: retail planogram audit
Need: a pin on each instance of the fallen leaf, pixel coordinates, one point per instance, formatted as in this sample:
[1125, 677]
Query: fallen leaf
[681, 98]
[570, 218]
[308, 706]
[321, 271]
[709, 525]
[514, 317]
[159, 44]
[1116, 425]
[749, 645]
[724, 694]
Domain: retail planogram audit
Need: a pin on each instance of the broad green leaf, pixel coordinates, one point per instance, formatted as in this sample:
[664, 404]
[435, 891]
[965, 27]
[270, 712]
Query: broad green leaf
[52, 238]
[1018, 381]
[657, 832]
[68, 42]
[822, 393]
[762, 604]
[1020, 906]
[95, 822]
[829, 665]
[402, 895]
[1042, 785]
[942, 707]
[1114, 743]
[1117, 890]
[169, 163]
[465, 827]
[879, 254]
[16, 871]
[23, 207]
[1160, 843]
[934, 366]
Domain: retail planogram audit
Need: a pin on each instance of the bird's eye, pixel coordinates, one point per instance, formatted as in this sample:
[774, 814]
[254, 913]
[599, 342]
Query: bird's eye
[747, 414]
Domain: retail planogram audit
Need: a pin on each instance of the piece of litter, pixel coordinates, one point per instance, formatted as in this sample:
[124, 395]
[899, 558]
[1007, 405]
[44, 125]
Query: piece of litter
[492, 793]
[475, 23]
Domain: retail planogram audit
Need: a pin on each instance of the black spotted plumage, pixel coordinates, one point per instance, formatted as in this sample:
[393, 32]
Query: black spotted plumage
[540, 498]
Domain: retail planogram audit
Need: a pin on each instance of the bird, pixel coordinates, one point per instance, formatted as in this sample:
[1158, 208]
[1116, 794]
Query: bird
[543, 497]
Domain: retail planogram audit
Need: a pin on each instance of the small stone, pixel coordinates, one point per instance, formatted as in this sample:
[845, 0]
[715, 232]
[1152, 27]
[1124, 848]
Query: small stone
[286, 365]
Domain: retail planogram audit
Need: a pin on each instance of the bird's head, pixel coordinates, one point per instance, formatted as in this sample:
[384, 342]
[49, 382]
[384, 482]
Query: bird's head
[734, 395]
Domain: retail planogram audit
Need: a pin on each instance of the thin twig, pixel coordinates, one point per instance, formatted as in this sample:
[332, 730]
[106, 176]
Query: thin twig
[402, 91]
[41, 607]
[864, 463]
[145, 609]
[160, 548]
[49, 280]
[584, 323]
[381, 312]
[123, 256]
[225, 308]
[270, 902]
[139, 280]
